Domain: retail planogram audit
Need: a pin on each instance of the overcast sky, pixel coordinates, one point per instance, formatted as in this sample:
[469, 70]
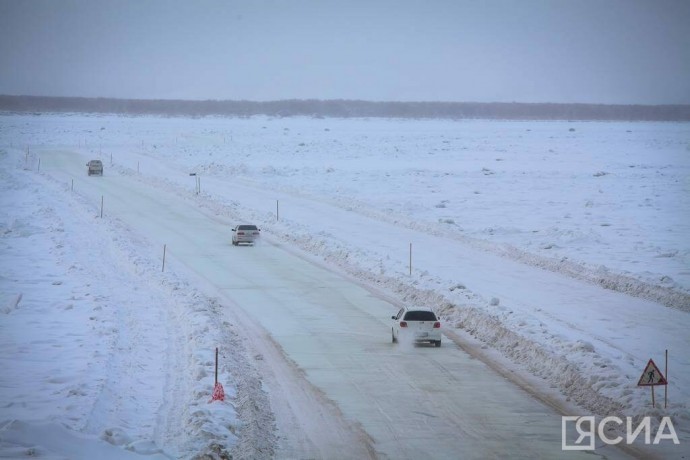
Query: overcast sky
[590, 51]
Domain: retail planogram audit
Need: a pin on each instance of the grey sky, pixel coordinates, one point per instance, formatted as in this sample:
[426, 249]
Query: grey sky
[591, 51]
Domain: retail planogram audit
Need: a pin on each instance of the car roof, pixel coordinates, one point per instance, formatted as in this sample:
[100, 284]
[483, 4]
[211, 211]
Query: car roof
[418, 309]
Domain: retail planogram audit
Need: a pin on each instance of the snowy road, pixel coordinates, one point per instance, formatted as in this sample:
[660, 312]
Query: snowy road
[321, 339]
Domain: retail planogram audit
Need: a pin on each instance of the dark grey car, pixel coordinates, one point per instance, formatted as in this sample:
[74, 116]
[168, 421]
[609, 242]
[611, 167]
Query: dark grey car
[95, 167]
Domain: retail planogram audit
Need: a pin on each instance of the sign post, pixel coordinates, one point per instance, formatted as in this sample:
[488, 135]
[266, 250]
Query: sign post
[651, 377]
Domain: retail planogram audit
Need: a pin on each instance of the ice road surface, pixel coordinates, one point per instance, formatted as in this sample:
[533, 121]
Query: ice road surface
[557, 252]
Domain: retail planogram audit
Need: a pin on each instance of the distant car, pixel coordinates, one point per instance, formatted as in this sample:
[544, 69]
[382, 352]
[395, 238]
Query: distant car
[416, 324]
[95, 167]
[244, 234]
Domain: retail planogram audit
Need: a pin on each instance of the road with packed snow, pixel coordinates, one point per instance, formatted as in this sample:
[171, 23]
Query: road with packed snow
[322, 343]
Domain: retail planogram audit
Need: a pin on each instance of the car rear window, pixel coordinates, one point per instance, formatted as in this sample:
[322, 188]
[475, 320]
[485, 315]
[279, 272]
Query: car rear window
[247, 227]
[420, 316]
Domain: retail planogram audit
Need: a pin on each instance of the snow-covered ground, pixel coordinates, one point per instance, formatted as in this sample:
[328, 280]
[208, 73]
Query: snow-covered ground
[560, 247]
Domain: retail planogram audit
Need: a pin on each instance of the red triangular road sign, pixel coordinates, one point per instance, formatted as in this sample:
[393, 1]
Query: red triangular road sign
[651, 376]
[218, 393]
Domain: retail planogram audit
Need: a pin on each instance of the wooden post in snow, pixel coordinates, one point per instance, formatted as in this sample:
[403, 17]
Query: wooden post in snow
[666, 386]
[410, 259]
[164, 247]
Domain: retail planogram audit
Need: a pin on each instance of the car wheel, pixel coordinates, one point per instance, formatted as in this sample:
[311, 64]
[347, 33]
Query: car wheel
[393, 337]
[438, 343]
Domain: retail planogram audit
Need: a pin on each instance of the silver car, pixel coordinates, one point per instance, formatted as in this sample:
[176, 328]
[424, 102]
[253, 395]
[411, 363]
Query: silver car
[244, 233]
[416, 324]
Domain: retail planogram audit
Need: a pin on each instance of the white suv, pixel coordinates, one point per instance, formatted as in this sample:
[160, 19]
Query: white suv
[416, 324]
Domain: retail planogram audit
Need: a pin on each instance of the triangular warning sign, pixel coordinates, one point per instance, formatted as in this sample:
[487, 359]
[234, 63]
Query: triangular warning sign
[651, 376]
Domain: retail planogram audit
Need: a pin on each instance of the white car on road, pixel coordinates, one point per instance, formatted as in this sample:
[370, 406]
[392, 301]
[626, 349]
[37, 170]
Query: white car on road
[416, 324]
[244, 233]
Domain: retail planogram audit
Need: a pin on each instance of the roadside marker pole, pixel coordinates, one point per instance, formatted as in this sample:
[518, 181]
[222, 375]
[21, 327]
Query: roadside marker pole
[666, 386]
[101, 206]
[72, 188]
[410, 259]
[277, 212]
[39, 165]
[218, 391]
[164, 247]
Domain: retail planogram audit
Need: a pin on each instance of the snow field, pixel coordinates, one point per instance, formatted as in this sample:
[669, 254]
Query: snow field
[607, 204]
[104, 343]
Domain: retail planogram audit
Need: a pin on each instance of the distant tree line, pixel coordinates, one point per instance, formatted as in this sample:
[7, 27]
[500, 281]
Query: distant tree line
[348, 108]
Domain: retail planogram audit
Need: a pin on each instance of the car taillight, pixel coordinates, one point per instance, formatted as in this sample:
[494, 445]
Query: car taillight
[437, 325]
[403, 324]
